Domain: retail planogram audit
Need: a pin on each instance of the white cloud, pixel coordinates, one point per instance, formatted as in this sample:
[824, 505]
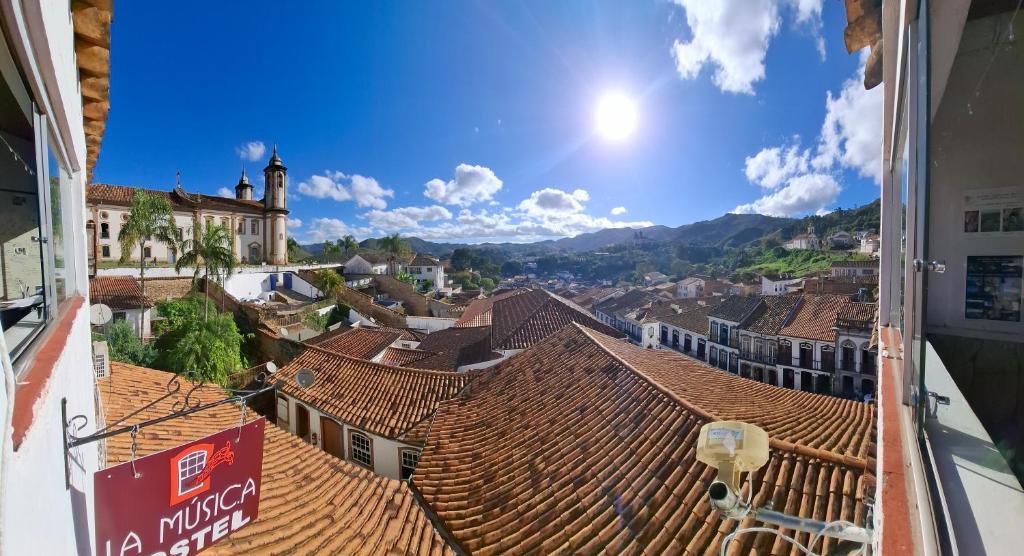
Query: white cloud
[225, 192]
[294, 223]
[322, 229]
[472, 184]
[365, 191]
[733, 36]
[549, 201]
[252, 151]
[771, 167]
[618, 211]
[806, 193]
[853, 124]
[405, 218]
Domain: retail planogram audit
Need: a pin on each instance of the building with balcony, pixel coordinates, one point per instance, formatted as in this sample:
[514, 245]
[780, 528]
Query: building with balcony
[687, 331]
[807, 344]
[759, 342]
[724, 322]
[856, 361]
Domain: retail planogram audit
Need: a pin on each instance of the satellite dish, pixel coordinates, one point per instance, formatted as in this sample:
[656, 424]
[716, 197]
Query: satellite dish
[100, 314]
[305, 377]
[283, 331]
[271, 367]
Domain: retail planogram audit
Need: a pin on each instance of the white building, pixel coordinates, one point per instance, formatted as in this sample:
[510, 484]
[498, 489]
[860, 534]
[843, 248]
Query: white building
[854, 268]
[809, 240]
[869, 244]
[366, 263]
[123, 296]
[52, 62]
[777, 285]
[259, 229]
[424, 268]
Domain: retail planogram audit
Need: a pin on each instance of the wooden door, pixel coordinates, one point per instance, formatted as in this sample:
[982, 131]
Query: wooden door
[302, 422]
[330, 432]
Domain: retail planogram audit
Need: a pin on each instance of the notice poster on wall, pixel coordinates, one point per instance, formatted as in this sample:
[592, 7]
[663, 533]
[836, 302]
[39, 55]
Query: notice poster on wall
[994, 288]
[994, 212]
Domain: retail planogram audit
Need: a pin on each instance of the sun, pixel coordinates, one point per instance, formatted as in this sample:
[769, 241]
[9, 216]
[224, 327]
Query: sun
[616, 116]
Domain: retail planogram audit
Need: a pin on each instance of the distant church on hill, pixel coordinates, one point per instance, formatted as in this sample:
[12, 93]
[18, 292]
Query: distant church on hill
[259, 229]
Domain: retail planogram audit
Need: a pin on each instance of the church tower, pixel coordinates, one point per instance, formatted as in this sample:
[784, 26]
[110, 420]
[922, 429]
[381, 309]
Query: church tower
[275, 210]
[243, 190]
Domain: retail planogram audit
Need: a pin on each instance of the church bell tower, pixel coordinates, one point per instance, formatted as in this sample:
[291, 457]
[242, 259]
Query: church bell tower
[275, 209]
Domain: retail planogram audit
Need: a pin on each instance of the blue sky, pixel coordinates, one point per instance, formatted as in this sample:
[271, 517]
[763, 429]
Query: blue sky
[473, 121]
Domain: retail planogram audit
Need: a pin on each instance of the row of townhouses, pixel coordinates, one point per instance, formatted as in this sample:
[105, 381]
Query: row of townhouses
[814, 343]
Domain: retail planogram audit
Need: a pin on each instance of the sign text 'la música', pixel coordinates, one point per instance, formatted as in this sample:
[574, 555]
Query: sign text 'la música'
[184, 499]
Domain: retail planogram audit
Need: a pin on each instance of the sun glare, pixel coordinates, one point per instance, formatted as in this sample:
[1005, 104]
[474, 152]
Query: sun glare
[616, 116]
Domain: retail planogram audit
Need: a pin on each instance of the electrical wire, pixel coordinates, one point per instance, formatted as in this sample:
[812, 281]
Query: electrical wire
[778, 533]
[829, 525]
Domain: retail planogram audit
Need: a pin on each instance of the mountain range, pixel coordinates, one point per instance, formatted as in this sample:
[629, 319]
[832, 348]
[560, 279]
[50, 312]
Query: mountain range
[728, 230]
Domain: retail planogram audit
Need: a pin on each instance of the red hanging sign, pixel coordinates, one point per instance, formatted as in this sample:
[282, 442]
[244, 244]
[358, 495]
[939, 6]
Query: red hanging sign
[180, 501]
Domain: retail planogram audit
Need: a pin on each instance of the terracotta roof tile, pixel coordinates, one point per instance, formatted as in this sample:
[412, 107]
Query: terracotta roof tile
[424, 260]
[118, 292]
[383, 400]
[567, 447]
[736, 308]
[361, 343]
[772, 315]
[695, 319]
[815, 318]
[631, 300]
[402, 357]
[102, 193]
[478, 313]
[523, 320]
[311, 502]
[452, 348]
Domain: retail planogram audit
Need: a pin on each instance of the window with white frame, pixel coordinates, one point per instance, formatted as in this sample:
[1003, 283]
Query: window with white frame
[409, 458]
[254, 226]
[361, 449]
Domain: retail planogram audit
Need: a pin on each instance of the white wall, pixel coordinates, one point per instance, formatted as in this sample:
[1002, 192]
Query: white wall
[429, 324]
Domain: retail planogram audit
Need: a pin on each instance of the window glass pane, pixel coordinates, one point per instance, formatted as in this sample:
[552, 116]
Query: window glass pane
[61, 219]
[22, 297]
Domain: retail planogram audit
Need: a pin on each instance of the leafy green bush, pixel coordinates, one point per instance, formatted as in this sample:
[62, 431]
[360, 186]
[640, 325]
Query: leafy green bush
[125, 346]
[338, 314]
[197, 341]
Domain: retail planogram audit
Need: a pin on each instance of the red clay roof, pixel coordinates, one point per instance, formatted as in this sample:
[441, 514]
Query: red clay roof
[311, 502]
[102, 193]
[567, 447]
[452, 348]
[815, 318]
[361, 343]
[478, 313]
[118, 292]
[383, 400]
[523, 320]
[402, 357]
[772, 314]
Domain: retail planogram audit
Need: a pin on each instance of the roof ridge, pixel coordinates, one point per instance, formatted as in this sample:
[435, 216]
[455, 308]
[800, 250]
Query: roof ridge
[777, 443]
[379, 365]
[522, 322]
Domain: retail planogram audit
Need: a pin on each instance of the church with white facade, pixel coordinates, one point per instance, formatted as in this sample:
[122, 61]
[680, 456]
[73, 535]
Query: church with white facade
[259, 228]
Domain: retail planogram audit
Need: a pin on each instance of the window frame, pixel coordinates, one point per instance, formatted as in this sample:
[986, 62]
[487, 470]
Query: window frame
[352, 433]
[402, 451]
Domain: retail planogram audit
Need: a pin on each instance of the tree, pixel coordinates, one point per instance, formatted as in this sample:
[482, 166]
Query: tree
[349, 244]
[316, 321]
[209, 350]
[395, 247]
[511, 268]
[329, 282]
[149, 218]
[126, 347]
[405, 277]
[212, 252]
[487, 284]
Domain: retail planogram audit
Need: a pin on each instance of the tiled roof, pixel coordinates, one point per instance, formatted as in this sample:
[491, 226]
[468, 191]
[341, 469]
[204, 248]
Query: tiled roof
[101, 193]
[858, 312]
[424, 260]
[736, 308]
[402, 357]
[815, 318]
[452, 348]
[361, 343]
[310, 501]
[373, 258]
[479, 311]
[694, 319]
[523, 320]
[588, 297]
[571, 448]
[771, 315]
[407, 334]
[163, 289]
[117, 292]
[383, 400]
[631, 300]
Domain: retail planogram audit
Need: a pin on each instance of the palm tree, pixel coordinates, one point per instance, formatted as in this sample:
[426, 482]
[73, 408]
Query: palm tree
[150, 218]
[212, 252]
[395, 247]
[348, 243]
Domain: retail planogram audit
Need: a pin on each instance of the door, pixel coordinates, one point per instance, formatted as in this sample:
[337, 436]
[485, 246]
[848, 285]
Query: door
[302, 422]
[330, 432]
[287, 281]
[273, 282]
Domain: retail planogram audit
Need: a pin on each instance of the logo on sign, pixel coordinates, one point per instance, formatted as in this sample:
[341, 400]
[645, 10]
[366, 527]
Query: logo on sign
[191, 470]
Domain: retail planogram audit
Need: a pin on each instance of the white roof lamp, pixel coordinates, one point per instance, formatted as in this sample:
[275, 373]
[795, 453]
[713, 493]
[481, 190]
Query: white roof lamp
[735, 447]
